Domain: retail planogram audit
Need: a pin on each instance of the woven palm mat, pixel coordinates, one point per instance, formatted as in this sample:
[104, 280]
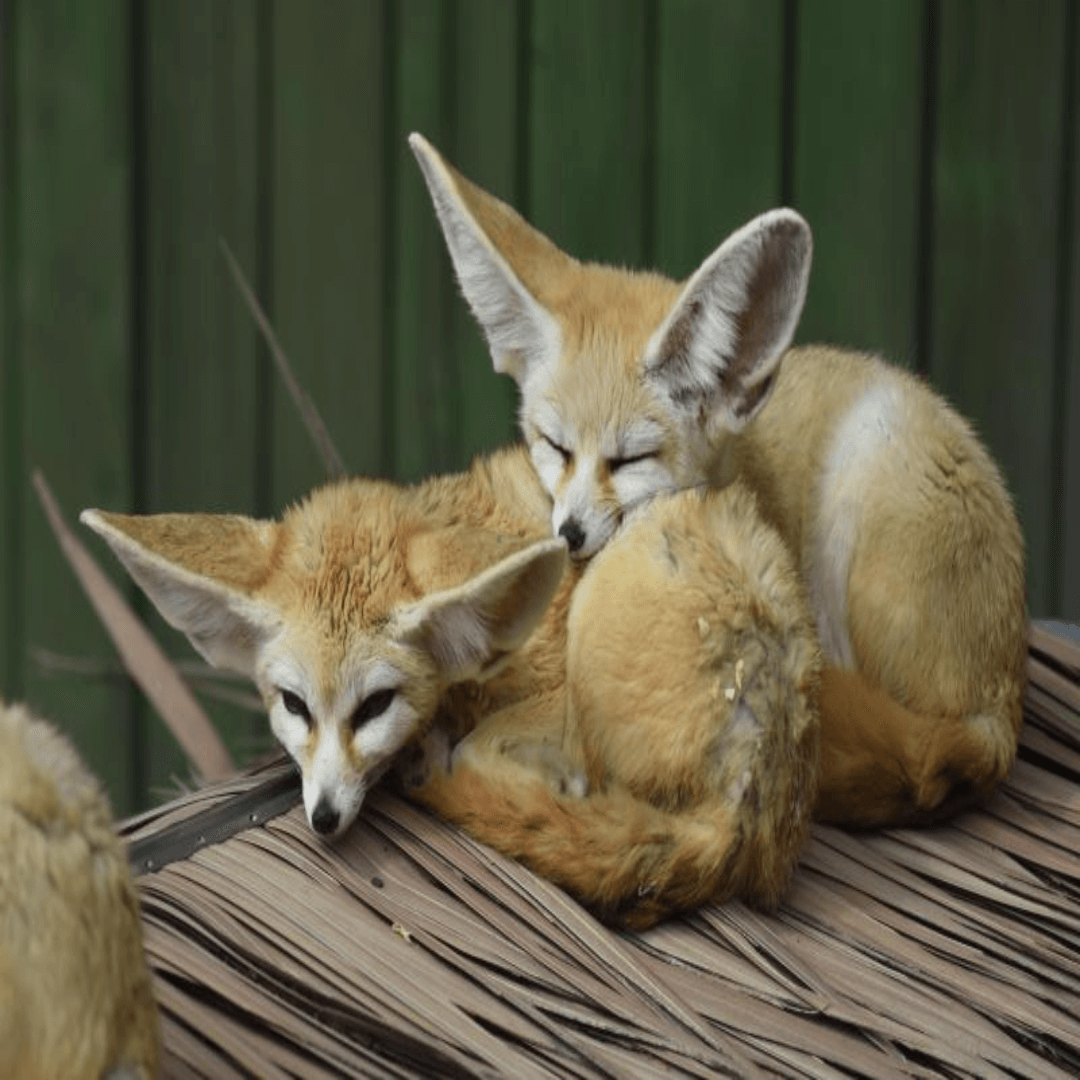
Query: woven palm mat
[408, 949]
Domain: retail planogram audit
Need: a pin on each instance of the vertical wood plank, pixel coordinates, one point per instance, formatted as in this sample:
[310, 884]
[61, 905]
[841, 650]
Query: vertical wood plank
[12, 469]
[328, 208]
[74, 240]
[202, 348]
[856, 170]
[455, 83]
[590, 106]
[485, 138]
[1068, 602]
[996, 185]
[425, 376]
[718, 123]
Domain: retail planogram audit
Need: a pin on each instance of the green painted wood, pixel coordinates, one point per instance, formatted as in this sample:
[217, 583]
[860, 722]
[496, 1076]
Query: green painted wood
[449, 403]
[1067, 603]
[202, 342]
[425, 366]
[589, 113]
[856, 170]
[329, 288]
[996, 185]
[718, 124]
[73, 196]
[12, 468]
[650, 130]
[486, 133]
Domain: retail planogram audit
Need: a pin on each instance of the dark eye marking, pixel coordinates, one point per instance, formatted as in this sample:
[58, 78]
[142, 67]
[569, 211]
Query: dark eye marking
[296, 705]
[616, 463]
[372, 706]
[560, 450]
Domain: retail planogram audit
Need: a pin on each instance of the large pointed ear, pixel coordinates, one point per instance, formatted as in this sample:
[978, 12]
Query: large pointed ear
[723, 340]
[496, 254]
[201, 572]
[471, 629]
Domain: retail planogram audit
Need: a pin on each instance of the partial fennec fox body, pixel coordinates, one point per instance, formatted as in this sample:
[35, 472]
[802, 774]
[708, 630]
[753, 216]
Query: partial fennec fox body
[76, 1001]
[905, 536]
[384, 623]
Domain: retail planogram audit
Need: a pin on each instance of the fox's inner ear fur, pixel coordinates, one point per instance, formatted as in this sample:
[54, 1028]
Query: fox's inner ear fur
[471, 629]
[494, 252]
[723, 340]
[200, 571]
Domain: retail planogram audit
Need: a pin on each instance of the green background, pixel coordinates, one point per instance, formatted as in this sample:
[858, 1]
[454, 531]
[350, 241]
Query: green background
[930, 143]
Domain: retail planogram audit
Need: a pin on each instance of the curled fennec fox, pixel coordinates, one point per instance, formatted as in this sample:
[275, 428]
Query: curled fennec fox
[905, 536]
[428, 626]
[76, 1001]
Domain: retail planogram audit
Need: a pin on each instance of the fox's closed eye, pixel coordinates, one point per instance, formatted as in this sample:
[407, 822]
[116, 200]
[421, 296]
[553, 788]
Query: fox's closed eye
[296, 705]
[372, 706]
[616, 463]
[561, 450]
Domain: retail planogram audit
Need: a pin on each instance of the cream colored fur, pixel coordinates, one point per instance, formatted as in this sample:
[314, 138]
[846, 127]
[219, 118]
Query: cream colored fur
[76, 1000]
[899, 520]
[642, 784]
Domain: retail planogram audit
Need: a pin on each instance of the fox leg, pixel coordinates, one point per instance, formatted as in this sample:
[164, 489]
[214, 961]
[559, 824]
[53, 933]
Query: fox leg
[882, 763]
[526, 738]
[530, 734]
[427, 757]
[922, 715]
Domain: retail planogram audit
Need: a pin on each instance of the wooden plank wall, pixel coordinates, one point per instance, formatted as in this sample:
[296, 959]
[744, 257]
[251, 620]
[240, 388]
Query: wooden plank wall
[931, 144]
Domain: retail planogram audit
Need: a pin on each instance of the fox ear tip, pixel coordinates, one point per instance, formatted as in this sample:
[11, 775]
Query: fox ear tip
[558, 548]
[796, 229]
[419, 145]
[789, 213]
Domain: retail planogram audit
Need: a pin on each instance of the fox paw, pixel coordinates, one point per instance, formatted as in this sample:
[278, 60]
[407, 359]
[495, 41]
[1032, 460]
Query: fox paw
[537, 760]
[429, 755]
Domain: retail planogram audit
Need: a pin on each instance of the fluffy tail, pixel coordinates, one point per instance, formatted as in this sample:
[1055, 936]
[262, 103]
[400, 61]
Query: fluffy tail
[882, 763]
[630, 862]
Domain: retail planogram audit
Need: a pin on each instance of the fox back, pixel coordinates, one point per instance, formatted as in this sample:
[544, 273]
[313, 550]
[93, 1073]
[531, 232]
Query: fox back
[76, 1001]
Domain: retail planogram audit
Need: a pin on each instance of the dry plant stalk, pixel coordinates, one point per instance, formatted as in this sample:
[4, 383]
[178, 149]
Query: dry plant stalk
[332, 462]
[143, 658]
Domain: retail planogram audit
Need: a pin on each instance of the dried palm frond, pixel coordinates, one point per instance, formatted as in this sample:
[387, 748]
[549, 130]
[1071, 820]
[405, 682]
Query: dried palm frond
[408, 949]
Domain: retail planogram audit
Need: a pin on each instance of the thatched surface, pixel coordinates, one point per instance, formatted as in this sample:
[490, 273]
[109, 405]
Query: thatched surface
[408, 949]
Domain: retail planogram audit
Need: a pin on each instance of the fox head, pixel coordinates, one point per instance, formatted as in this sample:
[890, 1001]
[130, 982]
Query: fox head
[630, 382]
[348, 614]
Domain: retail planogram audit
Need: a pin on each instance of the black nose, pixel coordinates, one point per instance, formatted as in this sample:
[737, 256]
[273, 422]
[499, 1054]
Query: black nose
[572, 533]
[324, 818]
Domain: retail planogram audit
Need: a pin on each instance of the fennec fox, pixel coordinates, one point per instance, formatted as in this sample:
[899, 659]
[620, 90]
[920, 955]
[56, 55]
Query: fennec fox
[76, 1002]
[428, 626]
[905, 536]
